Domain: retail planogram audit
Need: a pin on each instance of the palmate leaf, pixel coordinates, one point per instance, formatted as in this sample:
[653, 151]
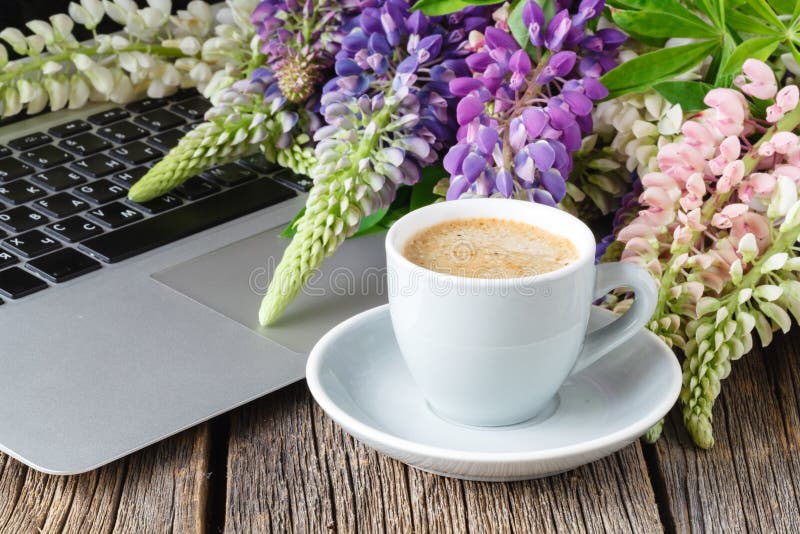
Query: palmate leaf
[444, 7]
[763, 10]
[673, 7]
[757, 48]
[649, 69]
[742, 22]
[689, 95]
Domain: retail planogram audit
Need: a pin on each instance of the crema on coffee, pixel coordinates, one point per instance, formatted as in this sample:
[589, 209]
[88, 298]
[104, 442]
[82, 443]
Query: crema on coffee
[489, 248]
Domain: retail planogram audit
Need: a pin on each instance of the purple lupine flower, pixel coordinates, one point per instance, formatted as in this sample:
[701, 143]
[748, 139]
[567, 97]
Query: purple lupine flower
[628, 210]
[521, 116]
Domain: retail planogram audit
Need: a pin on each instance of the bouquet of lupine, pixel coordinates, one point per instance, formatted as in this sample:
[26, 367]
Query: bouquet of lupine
[672, 122]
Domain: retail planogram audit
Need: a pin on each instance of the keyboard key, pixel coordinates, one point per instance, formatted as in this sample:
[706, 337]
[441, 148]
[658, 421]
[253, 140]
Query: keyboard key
[22, 218]
[85, 144]
[58, 179]
[166, 140]
[31, 244]
[160, 120]
[136, 153]
[74, 229]
[100, 191]
[107, 117]
[157, 205]
[7, 259]
[46, 156]
[295, 181]
[144, 105]
[16, 283]
[114, 215]
[30, 141]
[122, 132]
[184, 221]
[229, 175]
[193, 109]
[69, 128]
[20, 192]
[98, 166]
[196, 188]
[4, 151]
[259, 163]
[11, 168]
[182, 94]
[63, 265]
[61, 205]
[129, 177]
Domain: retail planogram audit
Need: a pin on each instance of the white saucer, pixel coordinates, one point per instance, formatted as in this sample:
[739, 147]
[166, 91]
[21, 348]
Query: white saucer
[357, 375]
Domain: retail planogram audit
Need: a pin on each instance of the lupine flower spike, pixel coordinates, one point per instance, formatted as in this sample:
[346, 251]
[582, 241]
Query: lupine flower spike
[270, 112]
[719, 230]
[388, 112]
[521, 117]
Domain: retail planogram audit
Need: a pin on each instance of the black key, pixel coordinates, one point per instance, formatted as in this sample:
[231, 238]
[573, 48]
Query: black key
[7, 259]
[166, 140]
[85, 144]
[22, 218]
[193, 109]
[147, 104]
[31, 244]
[229, 175]
[74, 229]
[259, 163]
[4, 151]
[107, 117]
[114, 215]
[46, 156]
[100, 191]
[63, 265]
[295, 181]
[185, 221]
[129, 177]
[59, 179]
[157, 205]
[98, 165]
[20, 192]
[16, 283]
[196, 188]
[182, 94]
[61, 205]
[136, 153]
[30, 141]
[122, 132]
[11, 168]
[70, 128]
[160, 120]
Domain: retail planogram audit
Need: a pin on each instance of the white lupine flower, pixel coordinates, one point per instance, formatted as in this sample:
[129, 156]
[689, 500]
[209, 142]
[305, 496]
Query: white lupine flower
[119, 10]
[88, 13]
[15, 39]
[57, 88]
[43, 29]
[3, 56]
[200, 73]
[194, 20]
[784, 199]
[123, 91]
[153, 18]
[62, 27]
[190, 46]
[11, 102]
[78, 92]
[118, 42]
[36, 44]
[38, 101]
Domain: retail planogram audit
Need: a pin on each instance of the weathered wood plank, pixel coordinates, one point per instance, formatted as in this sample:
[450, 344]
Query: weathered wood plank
[290, 468]
[750, 480]
[162, 488]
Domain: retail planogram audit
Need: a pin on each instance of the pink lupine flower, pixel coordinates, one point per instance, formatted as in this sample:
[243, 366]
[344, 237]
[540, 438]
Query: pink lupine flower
[761, 80]
[695, 191]
[680, 161]
[699, 137]
[729, 111]
[785, 101]
[755, 223]
[726, 217]
[758, 183]
[732, 175]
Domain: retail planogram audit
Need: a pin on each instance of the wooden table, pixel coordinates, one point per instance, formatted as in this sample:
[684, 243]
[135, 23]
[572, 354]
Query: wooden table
[279, 464]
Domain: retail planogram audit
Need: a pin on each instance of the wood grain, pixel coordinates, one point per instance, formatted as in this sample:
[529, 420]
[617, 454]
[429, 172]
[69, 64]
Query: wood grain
[750, 480]
[160, 489]
[290, 468]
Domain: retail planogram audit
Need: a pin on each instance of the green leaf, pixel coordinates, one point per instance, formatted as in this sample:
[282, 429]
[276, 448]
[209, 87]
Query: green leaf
[661, 6]
[655, 24]
[757, 48]
[689, 95]
[661, 65]
[783, 7]
[368, 223]
[747, 24]
[517, 27]
[422, 193]
[290, 230]
[765, 12]
[444, 7]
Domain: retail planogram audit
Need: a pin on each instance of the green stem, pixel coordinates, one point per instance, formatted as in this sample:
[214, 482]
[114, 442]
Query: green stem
[751, 160]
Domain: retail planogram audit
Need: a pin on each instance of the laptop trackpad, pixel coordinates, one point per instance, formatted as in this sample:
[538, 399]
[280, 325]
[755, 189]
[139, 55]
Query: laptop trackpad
[232, 280]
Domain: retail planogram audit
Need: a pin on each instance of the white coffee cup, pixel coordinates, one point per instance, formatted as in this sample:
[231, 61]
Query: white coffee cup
[494, 352]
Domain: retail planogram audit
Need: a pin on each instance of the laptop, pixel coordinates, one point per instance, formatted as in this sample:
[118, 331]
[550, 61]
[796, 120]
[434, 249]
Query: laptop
[122, 323]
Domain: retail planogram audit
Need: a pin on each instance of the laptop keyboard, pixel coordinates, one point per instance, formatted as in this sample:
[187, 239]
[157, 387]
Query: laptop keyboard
[64, 210]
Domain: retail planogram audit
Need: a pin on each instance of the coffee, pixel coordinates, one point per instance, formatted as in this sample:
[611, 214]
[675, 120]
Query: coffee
[489, 248]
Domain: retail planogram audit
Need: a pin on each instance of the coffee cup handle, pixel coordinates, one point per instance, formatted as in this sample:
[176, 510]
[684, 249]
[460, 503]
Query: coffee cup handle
[603, 340]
